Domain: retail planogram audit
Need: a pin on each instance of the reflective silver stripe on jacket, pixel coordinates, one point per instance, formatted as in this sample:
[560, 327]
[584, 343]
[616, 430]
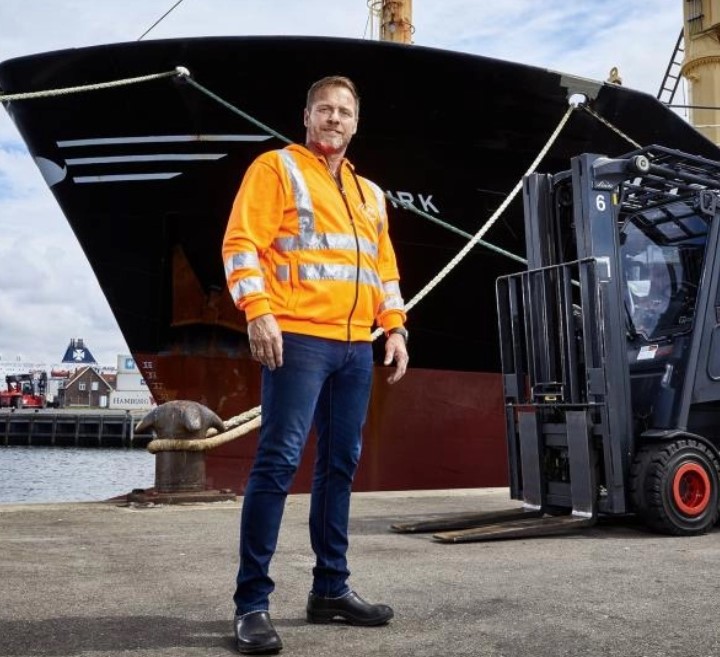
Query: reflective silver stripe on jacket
[303, 202]
[347, 273]
[241, 260]
[393, 297]
[247, 285]
[324, 241]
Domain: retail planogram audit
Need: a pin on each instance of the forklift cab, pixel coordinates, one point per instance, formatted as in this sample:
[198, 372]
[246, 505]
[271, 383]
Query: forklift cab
[662, 251]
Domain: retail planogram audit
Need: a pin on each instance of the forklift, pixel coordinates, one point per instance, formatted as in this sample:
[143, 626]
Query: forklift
[610, 351]
[24, 391]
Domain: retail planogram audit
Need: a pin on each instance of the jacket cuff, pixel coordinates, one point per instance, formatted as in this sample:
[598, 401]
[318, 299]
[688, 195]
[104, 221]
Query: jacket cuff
[256, 308]
[392, 320]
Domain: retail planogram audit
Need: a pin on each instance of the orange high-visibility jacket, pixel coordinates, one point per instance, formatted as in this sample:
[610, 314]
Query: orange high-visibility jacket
[314, 253]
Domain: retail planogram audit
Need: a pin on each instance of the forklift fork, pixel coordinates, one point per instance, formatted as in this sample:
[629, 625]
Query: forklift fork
[532, 519]
[495, 525]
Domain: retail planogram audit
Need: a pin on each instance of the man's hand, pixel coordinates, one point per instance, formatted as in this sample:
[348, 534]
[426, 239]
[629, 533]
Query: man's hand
[266, 341]
[396, 350]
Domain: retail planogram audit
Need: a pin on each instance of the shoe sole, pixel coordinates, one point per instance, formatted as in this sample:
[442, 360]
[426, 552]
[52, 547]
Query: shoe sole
[260, 651]
[324, 618]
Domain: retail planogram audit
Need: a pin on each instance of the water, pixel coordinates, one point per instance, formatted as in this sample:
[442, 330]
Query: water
[72, 474]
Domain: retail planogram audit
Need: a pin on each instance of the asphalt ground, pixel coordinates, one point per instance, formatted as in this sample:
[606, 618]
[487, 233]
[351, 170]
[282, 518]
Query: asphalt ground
[103, 579]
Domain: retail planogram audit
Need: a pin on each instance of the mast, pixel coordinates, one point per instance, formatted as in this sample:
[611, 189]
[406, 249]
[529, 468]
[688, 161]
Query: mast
[395, 19]
[701, 66]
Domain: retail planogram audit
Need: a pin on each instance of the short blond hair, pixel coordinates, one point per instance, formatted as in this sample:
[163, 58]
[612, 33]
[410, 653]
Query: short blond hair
[333, 81]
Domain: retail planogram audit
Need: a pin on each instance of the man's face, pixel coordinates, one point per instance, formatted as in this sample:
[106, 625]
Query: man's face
[332, 120]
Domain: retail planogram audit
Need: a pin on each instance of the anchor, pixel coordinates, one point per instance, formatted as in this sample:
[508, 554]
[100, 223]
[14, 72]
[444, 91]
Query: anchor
[181, 429]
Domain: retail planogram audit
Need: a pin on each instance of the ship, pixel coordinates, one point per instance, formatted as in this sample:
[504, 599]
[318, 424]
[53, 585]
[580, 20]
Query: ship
[76, 355]
[146, 159]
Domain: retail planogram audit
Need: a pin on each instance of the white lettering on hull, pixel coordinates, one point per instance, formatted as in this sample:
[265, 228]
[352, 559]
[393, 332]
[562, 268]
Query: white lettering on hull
[424, 201]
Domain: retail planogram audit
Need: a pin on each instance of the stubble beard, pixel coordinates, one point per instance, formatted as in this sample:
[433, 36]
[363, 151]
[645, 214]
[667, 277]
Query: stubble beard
[330, 146]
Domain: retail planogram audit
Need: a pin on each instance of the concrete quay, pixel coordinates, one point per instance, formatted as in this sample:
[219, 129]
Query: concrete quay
[102, 579]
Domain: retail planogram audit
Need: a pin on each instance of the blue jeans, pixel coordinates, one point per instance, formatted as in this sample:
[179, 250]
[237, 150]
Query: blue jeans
[328, 382]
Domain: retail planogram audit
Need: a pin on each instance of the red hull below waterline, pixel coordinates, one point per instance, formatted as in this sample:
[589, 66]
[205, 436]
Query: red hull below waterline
[432, 430]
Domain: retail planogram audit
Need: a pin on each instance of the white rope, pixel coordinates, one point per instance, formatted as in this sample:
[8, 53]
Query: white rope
[488, 224]
[181, 71]
[238, 420]
[237, 429]
[202, 444]
[255, 412]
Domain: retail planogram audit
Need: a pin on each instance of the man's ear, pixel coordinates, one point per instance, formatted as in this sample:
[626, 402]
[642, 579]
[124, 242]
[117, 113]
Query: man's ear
[306, 117]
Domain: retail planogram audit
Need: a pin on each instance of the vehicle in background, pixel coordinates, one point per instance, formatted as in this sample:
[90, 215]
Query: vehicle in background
[24, 391]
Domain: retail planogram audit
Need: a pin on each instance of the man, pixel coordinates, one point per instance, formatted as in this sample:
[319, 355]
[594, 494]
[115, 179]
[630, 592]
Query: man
[309, 261]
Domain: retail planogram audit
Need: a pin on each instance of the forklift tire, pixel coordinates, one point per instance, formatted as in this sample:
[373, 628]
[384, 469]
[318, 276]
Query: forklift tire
[677, 487]
[638, 474]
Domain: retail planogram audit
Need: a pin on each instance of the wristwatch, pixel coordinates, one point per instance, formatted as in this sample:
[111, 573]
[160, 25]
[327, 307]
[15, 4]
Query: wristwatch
[402, 331]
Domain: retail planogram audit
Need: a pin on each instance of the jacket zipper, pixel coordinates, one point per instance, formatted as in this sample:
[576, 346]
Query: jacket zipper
[341, 189]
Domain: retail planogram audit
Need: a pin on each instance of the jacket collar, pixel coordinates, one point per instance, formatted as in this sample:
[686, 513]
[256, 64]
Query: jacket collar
[307, 153]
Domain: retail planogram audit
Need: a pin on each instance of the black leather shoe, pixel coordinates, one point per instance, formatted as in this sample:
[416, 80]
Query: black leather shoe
[256, 635]
[351, 608]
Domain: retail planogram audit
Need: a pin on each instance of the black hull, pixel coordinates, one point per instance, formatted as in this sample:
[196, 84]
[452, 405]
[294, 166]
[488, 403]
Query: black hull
[455, 131]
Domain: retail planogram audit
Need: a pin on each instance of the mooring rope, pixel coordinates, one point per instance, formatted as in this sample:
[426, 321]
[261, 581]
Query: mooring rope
[184, 73]
[48, 93]
[213, 440]
[209, 443]
[249, 420]
[406, 205]
[493, 218]
[237, 110]
[236, 426]
[615, 129]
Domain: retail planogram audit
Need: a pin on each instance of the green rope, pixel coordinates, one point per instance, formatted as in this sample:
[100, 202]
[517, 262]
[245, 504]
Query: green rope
[406, 205]
[238, 111]
[612, 127]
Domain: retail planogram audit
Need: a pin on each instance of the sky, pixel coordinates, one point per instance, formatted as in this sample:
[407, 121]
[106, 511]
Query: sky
[48, 293]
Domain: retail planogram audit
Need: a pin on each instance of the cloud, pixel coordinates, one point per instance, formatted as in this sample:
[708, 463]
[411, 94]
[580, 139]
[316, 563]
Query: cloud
[48, 292]
[583, 38]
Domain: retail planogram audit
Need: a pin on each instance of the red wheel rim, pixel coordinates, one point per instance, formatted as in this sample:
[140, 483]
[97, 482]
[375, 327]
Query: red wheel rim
[691, 489]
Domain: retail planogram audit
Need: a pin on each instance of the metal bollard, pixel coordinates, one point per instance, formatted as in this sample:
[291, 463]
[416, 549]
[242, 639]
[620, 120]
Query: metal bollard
[179, 472]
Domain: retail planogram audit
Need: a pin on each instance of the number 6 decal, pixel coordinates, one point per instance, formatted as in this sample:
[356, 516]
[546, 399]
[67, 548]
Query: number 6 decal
[600, 202]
